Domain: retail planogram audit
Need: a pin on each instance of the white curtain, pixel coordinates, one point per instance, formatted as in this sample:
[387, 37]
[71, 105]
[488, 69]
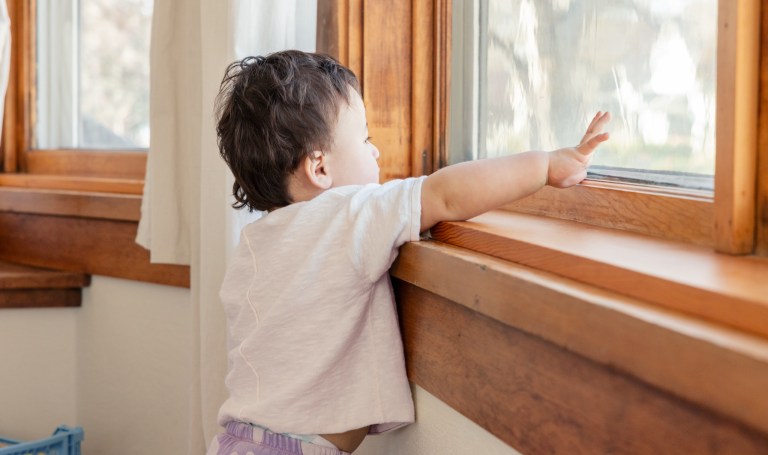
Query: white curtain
[57, 84]
[5, 52]
[186, 211]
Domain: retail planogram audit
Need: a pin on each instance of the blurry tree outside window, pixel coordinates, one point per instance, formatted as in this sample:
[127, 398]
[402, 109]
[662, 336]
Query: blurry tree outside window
[92, 89]
[535, 71]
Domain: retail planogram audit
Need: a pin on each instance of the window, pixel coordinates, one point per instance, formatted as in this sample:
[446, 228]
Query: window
[92, 74]
[528, 75]
[74, 140]
[533, 73]
[78, 104]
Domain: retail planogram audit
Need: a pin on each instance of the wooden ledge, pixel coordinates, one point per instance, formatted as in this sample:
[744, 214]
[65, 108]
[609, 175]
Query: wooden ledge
[93, 246]
[730, 290]
[713, 366]
[72, 183]
[81, 204]
[32, 287]
[81, 224]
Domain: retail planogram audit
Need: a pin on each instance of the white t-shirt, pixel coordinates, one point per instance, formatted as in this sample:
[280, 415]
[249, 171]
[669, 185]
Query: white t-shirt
[313, 338]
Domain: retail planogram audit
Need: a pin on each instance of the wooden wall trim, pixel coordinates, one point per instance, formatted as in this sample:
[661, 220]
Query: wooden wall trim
[387, 84]
[676, 216]
[736, 130]
[332, 28]
[543, 399]
[668, 350]
[40, 298]
[93, 246]
[404, 88]
[71, 203]
[32, 287]
[762, 170]
[115, 164]
[423, 87]
[18, 99]
[70, 183]
[15, 276]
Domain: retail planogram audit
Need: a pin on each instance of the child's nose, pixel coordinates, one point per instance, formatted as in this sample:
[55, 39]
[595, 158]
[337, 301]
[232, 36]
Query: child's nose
[375, 152]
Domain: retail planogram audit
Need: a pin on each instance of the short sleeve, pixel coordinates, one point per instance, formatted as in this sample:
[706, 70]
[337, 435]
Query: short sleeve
[384, 217]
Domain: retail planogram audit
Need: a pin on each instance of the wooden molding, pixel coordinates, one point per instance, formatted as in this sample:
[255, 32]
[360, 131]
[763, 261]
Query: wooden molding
[442, 82]
[387, 83]
[71, 203]
[682, 216]
[16, 276]
[17, 122]
[722, 288]
[423, 87]
[31, 287]
[736, 135]
[114, 164]
[543, 399]
[355, 21]
[40, 298]
[762, 170]
[398, 85]
[92, 246]
[72, 183]
[332, 29]
[664, 349]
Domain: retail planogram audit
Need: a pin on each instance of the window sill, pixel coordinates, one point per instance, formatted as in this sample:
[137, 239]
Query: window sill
[693, 279]
[85, 225]
[643, 306]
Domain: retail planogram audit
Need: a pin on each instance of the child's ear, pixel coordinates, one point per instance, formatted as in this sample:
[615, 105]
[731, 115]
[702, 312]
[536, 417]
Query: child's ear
[316, 170]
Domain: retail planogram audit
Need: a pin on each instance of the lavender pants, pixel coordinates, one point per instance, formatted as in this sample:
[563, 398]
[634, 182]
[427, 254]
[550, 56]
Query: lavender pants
[243, 439]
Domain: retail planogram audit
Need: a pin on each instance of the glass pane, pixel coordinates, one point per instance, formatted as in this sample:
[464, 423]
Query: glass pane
[545, 67]
[93, 74]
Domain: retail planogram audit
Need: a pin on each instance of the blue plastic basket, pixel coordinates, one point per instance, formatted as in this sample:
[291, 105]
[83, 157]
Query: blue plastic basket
[65, 441]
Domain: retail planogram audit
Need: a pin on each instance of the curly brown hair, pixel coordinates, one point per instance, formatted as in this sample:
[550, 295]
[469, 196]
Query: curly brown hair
[273, 111]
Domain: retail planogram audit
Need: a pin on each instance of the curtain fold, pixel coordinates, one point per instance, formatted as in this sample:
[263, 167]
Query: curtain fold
[186, 214]
[5, 52]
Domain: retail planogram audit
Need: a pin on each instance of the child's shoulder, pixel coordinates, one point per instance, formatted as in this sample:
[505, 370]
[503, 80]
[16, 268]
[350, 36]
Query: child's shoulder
[335, 201]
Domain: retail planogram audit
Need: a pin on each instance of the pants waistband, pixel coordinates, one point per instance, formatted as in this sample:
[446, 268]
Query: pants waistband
[284, 443]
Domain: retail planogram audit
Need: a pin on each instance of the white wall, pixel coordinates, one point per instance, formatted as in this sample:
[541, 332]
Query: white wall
[119, 366]
[37, 371]
[438, 430]
[134, 367]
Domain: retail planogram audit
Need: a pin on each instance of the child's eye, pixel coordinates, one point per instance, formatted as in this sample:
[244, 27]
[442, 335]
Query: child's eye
[368, 140]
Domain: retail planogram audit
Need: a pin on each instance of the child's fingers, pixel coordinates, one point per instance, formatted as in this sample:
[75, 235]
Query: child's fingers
[588, 146]
[597, 124]
[595, 119]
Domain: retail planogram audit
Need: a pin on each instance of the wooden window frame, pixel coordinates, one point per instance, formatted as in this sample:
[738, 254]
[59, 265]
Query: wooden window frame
[74, 210]
[677, 226]
[725, 220]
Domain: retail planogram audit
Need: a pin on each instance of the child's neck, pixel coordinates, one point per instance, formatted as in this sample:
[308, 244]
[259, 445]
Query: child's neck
[301, 189]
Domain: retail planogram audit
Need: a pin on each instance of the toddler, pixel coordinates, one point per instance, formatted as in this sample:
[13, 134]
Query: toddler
[314, 350]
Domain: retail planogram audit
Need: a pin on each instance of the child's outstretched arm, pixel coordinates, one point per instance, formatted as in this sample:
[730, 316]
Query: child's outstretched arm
[465, 190]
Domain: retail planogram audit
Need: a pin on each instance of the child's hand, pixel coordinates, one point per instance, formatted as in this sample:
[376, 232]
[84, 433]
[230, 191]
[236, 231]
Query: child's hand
[568, 166]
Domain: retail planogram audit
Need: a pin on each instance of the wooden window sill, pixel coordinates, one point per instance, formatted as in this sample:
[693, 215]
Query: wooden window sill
[605, 296]
[32, 287]
[83, 224]
[693, 279]
[76, 203]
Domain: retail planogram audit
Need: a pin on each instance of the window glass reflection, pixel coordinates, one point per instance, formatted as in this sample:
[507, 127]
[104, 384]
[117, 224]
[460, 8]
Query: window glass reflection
[546, 66]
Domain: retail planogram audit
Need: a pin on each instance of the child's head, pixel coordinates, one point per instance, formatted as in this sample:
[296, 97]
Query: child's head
[275, 114]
